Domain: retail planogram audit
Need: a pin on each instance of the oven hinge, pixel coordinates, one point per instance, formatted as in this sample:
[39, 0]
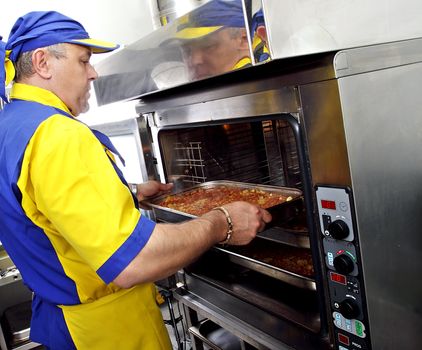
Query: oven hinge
[149, 117]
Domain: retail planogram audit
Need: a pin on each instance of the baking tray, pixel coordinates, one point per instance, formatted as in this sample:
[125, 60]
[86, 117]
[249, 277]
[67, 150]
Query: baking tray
[280, 212]
[286, 276]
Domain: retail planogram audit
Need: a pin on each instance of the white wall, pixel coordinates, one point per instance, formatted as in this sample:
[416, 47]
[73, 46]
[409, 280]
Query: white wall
[327, 25]
[120, 21]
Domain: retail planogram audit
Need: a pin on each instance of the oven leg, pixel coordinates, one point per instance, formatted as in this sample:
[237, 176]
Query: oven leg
[173, 320]
[193, 320]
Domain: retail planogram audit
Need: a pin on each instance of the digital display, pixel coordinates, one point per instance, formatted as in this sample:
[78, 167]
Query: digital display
[328, 204]
[336, 277]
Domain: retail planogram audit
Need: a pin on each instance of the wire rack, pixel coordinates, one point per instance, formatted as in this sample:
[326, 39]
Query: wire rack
[259, 152]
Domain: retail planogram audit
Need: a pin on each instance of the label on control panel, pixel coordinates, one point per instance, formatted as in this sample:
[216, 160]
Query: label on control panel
[355, 327]
[334, 205]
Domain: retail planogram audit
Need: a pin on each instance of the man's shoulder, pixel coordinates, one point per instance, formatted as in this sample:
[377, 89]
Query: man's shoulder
[63, 126]
[25, 112]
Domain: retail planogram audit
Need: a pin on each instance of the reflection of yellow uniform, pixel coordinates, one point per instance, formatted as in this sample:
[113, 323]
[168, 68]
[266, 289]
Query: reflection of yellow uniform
[80, 227]
[260, 50]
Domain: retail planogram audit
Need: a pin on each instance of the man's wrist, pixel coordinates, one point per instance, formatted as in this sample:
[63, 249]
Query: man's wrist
[134, 189]
[229, 221]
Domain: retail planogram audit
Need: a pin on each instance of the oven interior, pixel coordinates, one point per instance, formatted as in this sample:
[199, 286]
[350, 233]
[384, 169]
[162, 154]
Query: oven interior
[263, 152]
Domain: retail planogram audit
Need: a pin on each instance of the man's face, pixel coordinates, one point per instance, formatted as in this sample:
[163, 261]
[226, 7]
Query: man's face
[72, 76]
[215, 54]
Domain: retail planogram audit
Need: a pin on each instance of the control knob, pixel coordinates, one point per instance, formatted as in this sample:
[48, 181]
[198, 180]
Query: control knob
[343, 264]
[349, 309]
[338, 229]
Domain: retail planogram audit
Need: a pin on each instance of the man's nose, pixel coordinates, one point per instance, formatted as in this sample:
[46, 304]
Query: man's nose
[196, 56]
[92, 74]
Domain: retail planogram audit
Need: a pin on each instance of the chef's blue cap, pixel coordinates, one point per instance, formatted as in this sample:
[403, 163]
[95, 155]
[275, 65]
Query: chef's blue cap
[40, 29]
[209, 18]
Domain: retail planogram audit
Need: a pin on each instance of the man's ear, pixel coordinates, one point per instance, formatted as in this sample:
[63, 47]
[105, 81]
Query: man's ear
[244, 45]
[261, 31]
[41, 63]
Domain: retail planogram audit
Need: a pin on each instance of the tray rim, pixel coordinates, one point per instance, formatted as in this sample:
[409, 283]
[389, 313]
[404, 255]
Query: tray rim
[149, 202]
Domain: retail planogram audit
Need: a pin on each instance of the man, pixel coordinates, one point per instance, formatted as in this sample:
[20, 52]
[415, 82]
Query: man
[213, 39]
[67, 217]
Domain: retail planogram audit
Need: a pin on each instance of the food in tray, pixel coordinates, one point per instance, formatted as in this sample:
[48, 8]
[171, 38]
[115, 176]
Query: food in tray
[300, 264]
[287, 258]
[201, 200]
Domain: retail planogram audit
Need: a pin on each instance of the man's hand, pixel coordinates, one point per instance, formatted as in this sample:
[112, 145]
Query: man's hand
[247, 219]
[152, 188]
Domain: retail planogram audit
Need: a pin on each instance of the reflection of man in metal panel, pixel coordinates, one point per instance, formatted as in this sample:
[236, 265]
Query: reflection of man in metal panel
[214, 39]
[259, 38]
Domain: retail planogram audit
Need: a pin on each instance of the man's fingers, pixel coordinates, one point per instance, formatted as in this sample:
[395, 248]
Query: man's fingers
[266, 216]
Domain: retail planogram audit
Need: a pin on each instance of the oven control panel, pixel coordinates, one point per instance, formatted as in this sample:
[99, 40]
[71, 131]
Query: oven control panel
[343, 268]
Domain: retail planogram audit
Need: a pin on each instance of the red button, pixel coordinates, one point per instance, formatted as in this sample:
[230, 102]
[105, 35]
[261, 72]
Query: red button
[343, 339]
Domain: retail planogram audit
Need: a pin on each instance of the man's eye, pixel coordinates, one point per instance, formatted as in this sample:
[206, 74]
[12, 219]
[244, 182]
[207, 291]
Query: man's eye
[186, 50]
[210, 47]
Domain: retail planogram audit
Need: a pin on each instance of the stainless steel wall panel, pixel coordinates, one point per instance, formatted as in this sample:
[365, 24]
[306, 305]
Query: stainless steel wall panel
[383, 127]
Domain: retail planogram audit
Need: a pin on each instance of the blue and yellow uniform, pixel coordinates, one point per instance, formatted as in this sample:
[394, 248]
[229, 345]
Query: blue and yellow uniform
[78, 228]
[259, 45]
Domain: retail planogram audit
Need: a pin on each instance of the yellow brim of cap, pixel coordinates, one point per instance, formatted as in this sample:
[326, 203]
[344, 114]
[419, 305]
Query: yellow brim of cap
[195, 33]
[98, 46]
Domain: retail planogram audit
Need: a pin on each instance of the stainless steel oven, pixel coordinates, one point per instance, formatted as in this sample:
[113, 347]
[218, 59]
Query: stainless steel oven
[332, 112]
[342, 127]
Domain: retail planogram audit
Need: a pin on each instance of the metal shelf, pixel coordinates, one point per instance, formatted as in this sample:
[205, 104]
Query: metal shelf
[12, 292]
